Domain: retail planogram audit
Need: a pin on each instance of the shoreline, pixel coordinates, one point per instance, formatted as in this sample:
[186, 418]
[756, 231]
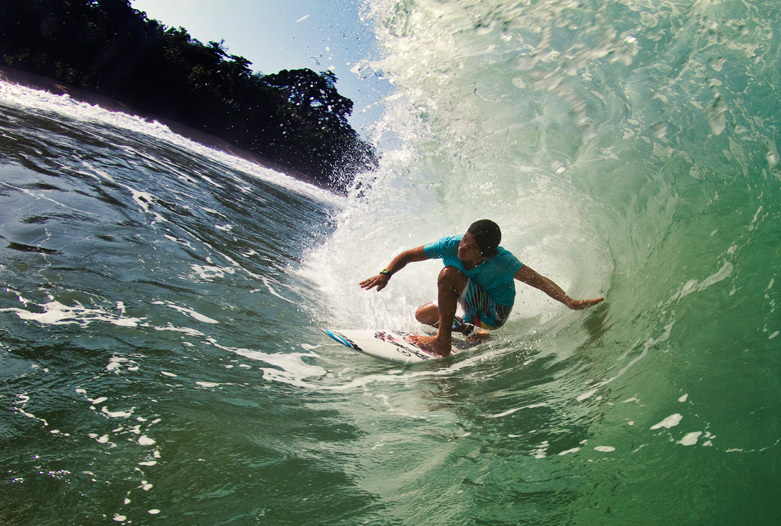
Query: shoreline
[41, 83]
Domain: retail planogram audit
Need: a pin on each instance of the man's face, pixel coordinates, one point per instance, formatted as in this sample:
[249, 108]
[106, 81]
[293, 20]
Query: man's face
[468, 251]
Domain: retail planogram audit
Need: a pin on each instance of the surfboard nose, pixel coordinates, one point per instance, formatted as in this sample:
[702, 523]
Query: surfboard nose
[341, 339]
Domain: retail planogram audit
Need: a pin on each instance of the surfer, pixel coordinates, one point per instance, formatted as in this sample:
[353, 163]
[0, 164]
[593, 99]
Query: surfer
[478, 278]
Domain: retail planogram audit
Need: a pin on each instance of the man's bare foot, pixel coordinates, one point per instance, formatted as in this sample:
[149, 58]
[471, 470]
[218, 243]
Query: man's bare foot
[431, 343]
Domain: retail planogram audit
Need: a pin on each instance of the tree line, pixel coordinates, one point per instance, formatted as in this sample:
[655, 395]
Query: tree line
[295, 117]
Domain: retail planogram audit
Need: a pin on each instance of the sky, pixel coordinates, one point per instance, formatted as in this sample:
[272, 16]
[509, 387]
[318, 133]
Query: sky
[286, 34]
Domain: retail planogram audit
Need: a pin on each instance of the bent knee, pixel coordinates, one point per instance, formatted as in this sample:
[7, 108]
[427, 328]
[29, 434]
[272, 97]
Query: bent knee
[427, 314]
[451, 272]
[453, 279]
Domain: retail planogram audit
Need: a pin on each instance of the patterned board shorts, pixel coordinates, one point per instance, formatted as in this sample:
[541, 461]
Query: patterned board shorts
[477, 308]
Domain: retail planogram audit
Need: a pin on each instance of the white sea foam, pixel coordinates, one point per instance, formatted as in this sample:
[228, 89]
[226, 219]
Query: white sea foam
[267, 282]
[210, 272]
[144, 440]
[691, 438]
[23, 399]
[187, 311]
[669, 422]
[56, 313]
[515, 410]
[117, 414]
[541, 451]
[694, 285]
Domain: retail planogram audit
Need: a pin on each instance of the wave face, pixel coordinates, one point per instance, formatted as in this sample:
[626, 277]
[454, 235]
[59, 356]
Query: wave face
[161, 306]
[627, 149]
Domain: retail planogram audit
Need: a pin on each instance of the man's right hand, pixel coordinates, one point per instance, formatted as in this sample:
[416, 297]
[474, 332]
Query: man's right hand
[399, 262]
[379, 281]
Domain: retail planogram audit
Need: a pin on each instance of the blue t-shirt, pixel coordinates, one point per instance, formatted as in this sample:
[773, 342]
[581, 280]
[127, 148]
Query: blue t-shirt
[495, 275]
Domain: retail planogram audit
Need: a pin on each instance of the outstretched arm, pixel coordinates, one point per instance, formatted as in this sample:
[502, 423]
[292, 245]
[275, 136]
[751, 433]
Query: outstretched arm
[398, 263]
[530, 277]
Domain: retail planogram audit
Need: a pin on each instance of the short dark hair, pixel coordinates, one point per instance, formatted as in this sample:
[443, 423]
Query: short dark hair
[487, 236]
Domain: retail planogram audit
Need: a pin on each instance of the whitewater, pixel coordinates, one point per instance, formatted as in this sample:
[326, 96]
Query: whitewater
[162, 302]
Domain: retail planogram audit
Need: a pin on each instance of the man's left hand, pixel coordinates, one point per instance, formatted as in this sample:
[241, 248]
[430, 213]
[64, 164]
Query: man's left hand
[582, 304]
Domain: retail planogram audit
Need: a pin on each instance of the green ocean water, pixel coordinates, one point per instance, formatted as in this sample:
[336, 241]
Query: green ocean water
[161, 307]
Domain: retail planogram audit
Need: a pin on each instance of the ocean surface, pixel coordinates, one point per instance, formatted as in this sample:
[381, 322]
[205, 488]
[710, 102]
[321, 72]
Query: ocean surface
[162, 303]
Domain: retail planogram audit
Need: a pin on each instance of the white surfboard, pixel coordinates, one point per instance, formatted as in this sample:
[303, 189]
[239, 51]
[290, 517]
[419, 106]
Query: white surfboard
[392, 346]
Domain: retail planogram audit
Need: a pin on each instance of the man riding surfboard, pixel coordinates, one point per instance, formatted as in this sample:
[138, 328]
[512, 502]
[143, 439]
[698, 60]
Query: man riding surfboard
[478, 277]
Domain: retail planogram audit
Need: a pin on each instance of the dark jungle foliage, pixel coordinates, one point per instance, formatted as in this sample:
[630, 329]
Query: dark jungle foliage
[296, 118]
